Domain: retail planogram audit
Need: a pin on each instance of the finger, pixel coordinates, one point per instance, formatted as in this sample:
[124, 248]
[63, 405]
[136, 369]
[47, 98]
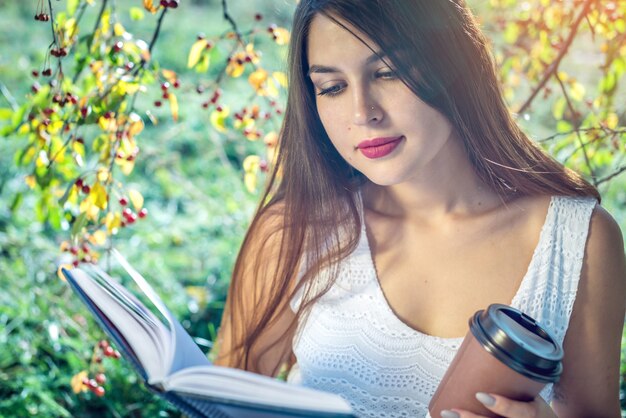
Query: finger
[459, 413]
[507, 407]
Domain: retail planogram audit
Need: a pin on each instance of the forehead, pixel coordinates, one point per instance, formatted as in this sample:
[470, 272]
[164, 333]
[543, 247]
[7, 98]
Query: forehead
[329, 42]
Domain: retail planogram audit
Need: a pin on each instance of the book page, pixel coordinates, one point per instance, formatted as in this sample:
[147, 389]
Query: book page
[185, 352]
[143, 338]
[226, 385]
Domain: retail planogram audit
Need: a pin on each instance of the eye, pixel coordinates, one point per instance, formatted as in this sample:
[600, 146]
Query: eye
[331, 91]
[386, 74]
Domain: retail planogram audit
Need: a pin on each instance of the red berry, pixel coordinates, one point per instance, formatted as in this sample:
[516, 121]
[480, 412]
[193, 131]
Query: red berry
[271, 28]
[108, 351]
[86, 189]
[35, 73]
[219, 108]
[209, 45]
[116, 354]
[75, 263]
[101, 378]
[47, 72]
[176, 84]
[200, 36]
[85, 381]
[143, 213]
[74, 250]
[98, 359]
[164, 3]
[80, 140]
[258, 17]
[92, 383]
[103, 344]
[263, 165]
[165, 85]
[84, 111]
[158, 103]
[131, 219]
[108, 115]
[117, 47]
[85, 248]
[35, 87]
[127, 213]
[205, 105]
[123, 201]
[99, 391]
[173, 4]
[79, 182]
[166, 95]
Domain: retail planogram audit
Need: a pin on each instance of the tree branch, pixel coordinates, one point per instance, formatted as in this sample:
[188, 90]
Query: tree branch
[552, 69]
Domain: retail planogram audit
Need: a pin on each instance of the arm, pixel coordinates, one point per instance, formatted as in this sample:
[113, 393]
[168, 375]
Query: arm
[589, 386]
[259, 261]
[590, 382]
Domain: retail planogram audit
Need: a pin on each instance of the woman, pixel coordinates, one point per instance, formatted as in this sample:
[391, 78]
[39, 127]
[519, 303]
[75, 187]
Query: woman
[404, 198]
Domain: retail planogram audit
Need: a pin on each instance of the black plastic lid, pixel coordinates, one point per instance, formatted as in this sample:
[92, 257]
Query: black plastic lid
[518, 341]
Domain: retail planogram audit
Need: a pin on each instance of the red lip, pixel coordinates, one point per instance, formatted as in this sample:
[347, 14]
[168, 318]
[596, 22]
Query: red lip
[379, 147]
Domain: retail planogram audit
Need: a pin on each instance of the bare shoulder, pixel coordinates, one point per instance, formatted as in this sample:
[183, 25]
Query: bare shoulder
[590, 382]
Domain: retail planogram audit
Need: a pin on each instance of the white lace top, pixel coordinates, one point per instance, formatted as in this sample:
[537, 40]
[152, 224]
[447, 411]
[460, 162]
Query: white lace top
[354, 345]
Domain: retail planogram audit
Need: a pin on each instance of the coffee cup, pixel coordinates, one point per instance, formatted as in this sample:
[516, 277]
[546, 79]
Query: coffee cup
[505, 352]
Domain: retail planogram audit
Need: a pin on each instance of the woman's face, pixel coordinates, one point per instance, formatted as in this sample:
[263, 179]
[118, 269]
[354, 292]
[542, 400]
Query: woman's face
[373, 119]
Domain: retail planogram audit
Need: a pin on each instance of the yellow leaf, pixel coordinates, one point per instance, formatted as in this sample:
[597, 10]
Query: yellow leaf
[281, 78]
[612, 120]
[251, 163]
[136, 125]
[257, 79]
[99, 195]
[578, 92]
[196, 51]
[250, 180]
[170, 76]
[281, 36]
[89, 209]
[103, 175]
[42, 159]
[118, 29]
[218, 119]
[149, 6]
[235, 69]
[107, 124]
[112, 222]
[30, 181]
[135, 198]
[174, 106]
[55, 126]
[98, 238]
[77, 382]
[271, 139]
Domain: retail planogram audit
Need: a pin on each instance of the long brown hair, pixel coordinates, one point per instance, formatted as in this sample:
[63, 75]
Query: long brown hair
[445, 61]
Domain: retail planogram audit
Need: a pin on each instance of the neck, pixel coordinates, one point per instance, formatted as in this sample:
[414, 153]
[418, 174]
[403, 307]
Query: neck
[446, 190]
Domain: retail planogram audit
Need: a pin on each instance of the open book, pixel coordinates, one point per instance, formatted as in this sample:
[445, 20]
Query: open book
[174, 367]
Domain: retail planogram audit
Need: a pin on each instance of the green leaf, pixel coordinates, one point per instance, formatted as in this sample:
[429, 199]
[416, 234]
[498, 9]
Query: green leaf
[72, 5]
[136, 13]
[6, 113]
[17, 202]
[79, 224]
[558, 108]
[563, 126]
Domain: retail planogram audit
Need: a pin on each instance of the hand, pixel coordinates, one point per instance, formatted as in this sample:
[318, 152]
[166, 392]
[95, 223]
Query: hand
[508, 408]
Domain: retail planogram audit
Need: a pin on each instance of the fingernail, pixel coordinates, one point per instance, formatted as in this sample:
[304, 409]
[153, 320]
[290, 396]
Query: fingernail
[449, 414]
[486, 400]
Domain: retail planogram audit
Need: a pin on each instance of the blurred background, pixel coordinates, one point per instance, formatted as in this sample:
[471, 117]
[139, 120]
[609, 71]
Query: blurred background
[197, 162]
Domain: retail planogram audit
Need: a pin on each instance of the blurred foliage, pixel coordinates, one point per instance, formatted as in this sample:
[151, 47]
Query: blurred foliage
[175, 111]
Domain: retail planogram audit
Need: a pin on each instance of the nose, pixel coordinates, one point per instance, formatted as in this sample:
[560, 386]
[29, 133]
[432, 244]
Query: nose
[366, 109]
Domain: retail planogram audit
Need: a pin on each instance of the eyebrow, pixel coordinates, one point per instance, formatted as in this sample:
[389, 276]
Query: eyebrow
[377, 56]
